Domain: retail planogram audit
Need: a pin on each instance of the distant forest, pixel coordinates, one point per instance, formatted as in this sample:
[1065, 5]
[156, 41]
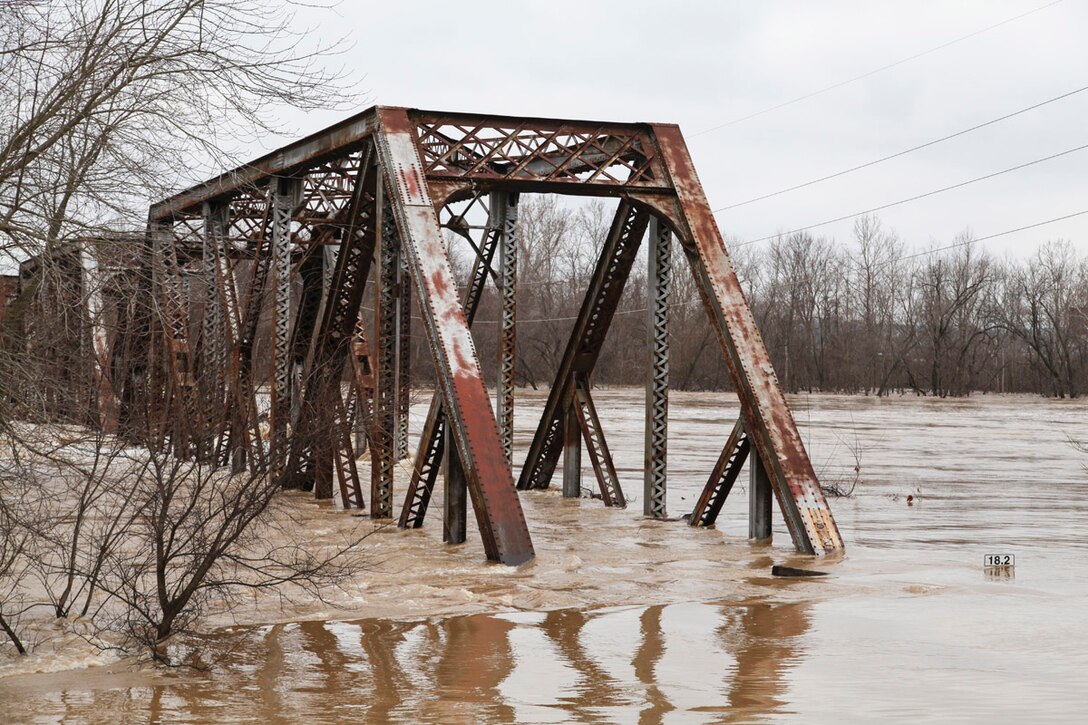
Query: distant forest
[866, 315]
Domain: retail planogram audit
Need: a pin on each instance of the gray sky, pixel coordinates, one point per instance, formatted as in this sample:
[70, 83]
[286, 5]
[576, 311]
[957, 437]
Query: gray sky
[703, 64]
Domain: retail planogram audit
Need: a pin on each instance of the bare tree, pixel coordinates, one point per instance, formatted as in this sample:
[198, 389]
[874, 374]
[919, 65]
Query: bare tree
[203, 535]
[112, 101]
[955, 293]
[1044, 306]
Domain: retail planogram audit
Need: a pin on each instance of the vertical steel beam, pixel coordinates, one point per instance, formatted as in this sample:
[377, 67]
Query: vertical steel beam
[180, 416]
[105, 399]
[314, 439]
[760, 495]
[404, 357]
[506, 206]
[286, 195]
[466, 402]
[572, 452]
[767, 416]
[214, 326]
[383, 457]
[327, 437]
[455, 502]
[658, 282]
[363, 383]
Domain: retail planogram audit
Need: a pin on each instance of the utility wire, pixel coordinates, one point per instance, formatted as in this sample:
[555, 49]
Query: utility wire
[991, 236]
[881, 69]
[905, 151]
[915, 198]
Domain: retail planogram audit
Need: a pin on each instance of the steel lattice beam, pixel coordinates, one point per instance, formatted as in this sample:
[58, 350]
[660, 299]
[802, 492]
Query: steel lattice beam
[286, 195]
[587, 337]
[763, 404]
[431, 160]
[471, 423]
[658, 282]
[507, 205]
[722, 478]
[432, 444]
[383, 455]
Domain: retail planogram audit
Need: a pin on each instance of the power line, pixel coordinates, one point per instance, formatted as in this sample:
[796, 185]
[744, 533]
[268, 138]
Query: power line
[881, 69]
[992, 236]
[905, 151]
[915, 198]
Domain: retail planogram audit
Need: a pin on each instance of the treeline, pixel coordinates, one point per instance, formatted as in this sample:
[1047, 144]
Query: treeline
[866, 315]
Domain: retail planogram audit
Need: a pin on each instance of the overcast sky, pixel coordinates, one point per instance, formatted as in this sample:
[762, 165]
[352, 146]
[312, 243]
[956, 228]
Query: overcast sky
[704, 64]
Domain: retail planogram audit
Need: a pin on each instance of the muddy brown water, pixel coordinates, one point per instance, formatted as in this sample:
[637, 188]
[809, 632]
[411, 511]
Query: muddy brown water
[620, 619]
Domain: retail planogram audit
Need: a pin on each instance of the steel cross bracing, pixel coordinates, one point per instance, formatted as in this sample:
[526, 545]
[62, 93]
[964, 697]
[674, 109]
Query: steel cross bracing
[430, 161]
[383, 454]
[659, 279]
[599, 455]
[722, 478]
[433, 439]
[586, 339]
[507, 207]
[321, 395]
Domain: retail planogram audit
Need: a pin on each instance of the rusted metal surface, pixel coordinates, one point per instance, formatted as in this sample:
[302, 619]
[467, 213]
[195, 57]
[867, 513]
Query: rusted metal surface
[581, 157]
[717, 488]
[179, 413]
[467, 406]
[432, 440]
[572, 453]
[506, 206]
[404, 358]
[305, 153]
[347, 472]
[767, 415]
[311, 443]
[288, 210]
[584, 346]
[659, 282]
[759, 501]
[286, 196]
[215, 331]
[383, 454]
[599, 456]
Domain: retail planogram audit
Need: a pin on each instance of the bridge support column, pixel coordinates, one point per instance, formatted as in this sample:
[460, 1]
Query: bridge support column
[658, 281]
[382, 457]
[760, 495]
[572, 453]
[455, 506]
[505, 206]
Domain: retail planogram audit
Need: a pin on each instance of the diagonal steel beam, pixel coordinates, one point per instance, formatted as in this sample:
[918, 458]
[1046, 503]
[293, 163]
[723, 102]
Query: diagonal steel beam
[466, 402]
[587, 337]
[432, 441]
[722, 478]
[599, 455]
[331, 343]
[763, 404]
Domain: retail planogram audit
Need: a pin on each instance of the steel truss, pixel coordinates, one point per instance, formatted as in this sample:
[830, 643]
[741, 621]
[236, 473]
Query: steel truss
[379, 189]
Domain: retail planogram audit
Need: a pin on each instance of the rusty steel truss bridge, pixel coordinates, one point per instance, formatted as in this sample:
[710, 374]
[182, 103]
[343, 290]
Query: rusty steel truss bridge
[376, 196]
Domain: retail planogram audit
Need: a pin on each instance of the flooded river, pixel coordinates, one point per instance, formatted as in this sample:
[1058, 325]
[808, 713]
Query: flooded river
[621, 619]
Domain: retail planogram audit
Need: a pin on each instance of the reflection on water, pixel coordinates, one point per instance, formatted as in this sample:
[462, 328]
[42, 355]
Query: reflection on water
[620, 619]
[718, 663]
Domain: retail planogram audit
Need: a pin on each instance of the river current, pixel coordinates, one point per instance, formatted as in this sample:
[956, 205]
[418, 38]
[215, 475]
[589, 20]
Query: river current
[623, 619]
